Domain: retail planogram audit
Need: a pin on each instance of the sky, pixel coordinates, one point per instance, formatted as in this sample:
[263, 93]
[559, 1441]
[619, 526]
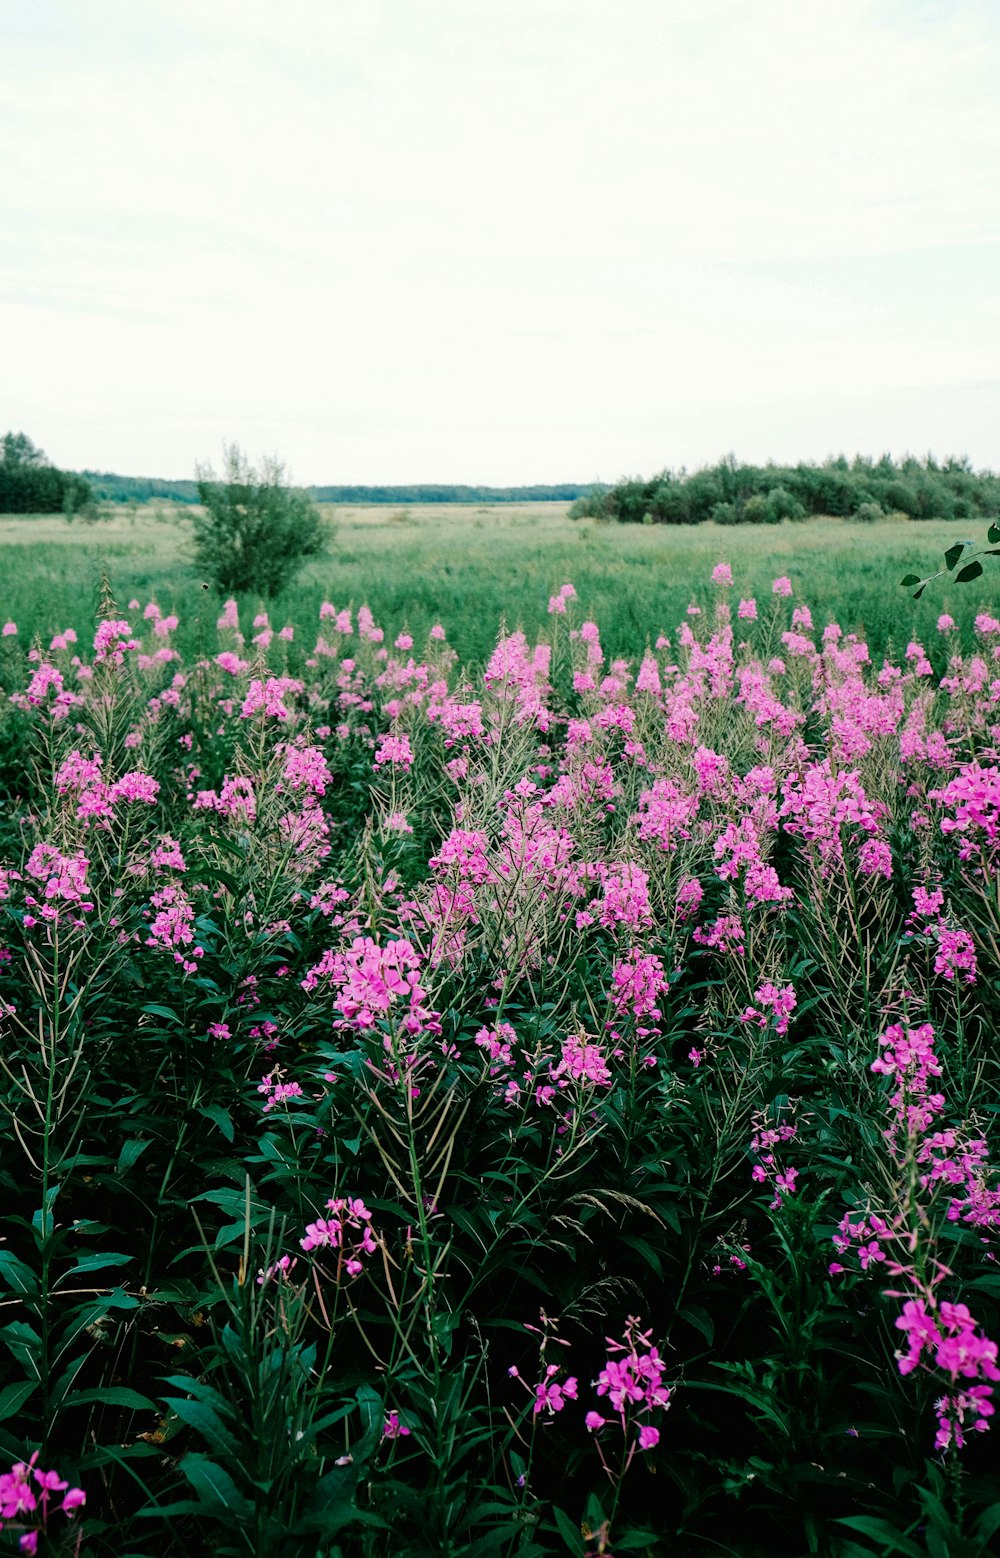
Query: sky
[498, 241]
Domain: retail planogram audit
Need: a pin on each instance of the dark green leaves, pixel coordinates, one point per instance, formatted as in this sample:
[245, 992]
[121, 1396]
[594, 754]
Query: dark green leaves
[970, 571]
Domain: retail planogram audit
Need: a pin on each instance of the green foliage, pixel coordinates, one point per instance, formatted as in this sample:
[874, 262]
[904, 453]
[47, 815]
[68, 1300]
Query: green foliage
[918, 489]
[781, 504]
[110, 487]
[755, 510]
[868, 514]
[254, 532]
[18, 449]
[29, 485]
[147, 1182]
[960, 560]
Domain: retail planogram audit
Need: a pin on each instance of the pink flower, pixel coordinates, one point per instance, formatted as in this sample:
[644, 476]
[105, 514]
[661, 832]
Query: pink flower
[551, 1394]
[394, 750]
[782, 586]
[722, 574]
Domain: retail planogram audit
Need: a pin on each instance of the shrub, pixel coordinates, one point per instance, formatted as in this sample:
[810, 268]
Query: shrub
[868, 514]
[726, 514]
[781, 504]
[898, 495]
[755, 510]
[254, 531]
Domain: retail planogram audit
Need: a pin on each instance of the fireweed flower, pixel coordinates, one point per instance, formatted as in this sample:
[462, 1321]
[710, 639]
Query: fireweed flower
[941, 1336]
[767, 1170]
[776, 1006]
[112, 641]
[30, 1497]
[632, 1383]
[394, 750]
[722, 574]
[347, 1230]
[369, 980]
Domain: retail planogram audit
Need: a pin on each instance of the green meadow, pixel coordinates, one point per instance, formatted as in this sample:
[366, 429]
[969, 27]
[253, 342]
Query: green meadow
[472, 567]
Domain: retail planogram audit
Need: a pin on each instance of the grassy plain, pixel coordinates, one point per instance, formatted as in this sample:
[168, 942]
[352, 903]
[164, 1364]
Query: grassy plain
[470, 566]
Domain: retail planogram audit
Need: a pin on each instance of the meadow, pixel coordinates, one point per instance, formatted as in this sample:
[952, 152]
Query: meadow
[481, 565]
[498, 1046]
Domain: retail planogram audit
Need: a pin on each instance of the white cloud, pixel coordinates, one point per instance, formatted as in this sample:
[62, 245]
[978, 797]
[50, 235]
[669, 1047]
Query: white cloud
[495, 239]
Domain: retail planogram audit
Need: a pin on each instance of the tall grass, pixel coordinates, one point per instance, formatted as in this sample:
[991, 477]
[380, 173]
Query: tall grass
[474, 566]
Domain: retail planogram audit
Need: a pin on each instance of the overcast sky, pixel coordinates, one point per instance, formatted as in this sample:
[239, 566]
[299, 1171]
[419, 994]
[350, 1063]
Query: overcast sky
[499, 241]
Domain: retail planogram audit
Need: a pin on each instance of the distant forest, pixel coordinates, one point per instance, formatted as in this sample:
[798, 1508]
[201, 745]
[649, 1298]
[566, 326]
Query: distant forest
[864, 489]
[730, 492]
[109, 488]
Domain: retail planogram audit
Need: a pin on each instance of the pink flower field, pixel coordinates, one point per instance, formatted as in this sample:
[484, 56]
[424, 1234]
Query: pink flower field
[535, 1109]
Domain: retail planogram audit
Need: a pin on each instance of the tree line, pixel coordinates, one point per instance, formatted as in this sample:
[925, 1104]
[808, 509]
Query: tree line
[110, 488]
[863, 488]
[29, 484]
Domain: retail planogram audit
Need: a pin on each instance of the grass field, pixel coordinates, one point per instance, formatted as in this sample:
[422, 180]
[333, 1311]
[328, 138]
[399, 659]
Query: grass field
[471, 566]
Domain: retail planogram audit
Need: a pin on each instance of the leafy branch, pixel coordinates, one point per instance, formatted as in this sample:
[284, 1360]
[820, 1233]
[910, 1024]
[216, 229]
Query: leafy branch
[969, 570]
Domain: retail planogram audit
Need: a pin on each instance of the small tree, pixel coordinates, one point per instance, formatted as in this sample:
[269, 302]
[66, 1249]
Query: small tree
[254, 531]
[18, 449]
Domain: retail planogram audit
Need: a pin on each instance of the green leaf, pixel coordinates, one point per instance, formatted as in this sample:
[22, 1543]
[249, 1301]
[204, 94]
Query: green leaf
[162, 1011]
[220, 1117]
[13, 1397]
[111, 1396]
[95, 1262]
[993, 534]
[970, 571]
[700, 1318]
[131, 1152]
[202, 1391]
[207, 1422]
[908, 579]
[645, 1249]
[989, 1521]
[570, 1533]
[24, 1345]
[370, 1404]
[892, 1540]
[215, 1487]
[15, 1275]
[953, 554]
[331, 1503]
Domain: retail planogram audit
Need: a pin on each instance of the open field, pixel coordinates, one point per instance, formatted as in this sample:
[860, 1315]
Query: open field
[476, 565]
[505, 1110]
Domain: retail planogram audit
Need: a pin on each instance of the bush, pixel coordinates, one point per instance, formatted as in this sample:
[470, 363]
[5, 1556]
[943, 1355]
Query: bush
[868, 514]
[781, 504]
[726, 514]
[755, 510]
[897, 495]
[254, 532]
